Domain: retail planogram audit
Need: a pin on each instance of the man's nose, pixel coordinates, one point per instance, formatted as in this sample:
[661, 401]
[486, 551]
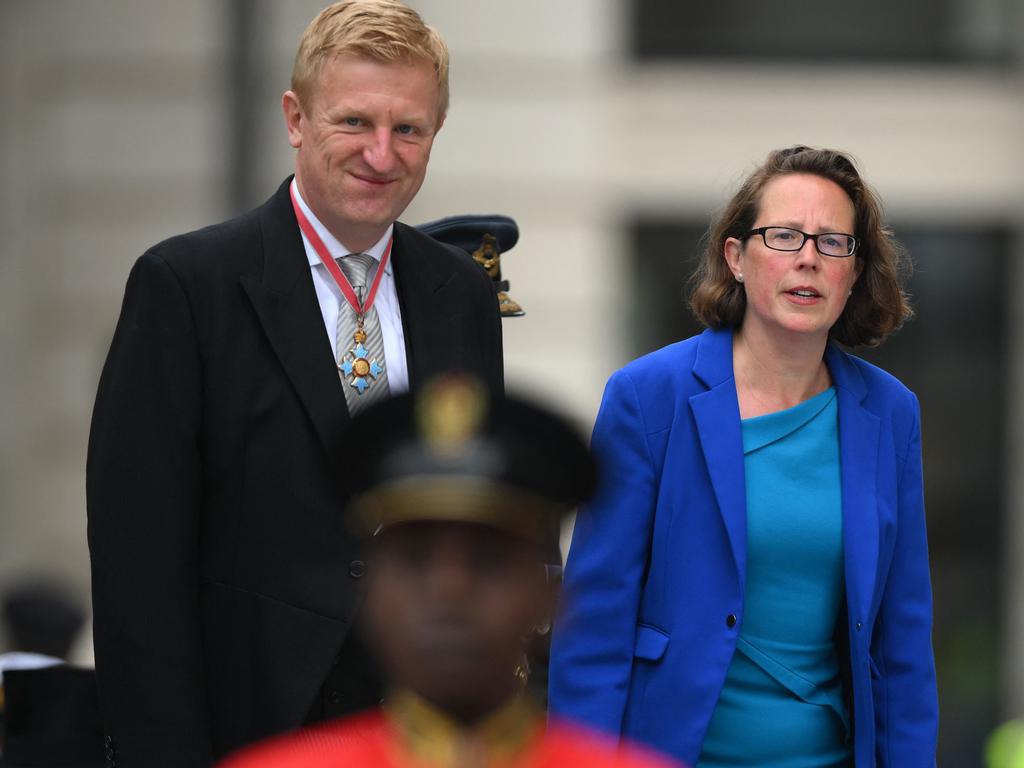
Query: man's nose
[379, 152]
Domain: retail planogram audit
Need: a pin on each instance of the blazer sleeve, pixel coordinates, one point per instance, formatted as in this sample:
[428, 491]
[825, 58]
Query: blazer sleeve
[143, 488]
[905, 696]
[593, 640]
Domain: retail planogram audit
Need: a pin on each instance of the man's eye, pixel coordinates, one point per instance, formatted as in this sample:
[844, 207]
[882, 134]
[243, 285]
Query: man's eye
[354, 122]
[405, 130]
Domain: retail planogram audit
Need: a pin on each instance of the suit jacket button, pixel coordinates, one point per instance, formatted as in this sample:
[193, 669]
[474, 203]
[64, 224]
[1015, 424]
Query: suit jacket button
[730, 620]
[334, 697]
[357, 569]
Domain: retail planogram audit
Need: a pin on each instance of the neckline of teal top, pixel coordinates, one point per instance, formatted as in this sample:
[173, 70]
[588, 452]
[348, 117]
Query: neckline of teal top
[759, 431]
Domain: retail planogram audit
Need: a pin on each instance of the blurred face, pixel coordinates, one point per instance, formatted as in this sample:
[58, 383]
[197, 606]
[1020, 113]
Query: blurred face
[448, 606]
[801, 292]
[363, 143]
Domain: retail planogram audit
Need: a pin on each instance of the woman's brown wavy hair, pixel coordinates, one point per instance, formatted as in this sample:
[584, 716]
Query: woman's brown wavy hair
[878, 305]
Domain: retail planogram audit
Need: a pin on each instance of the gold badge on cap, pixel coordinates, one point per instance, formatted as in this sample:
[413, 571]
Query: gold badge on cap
[449, 412]
[488, 256]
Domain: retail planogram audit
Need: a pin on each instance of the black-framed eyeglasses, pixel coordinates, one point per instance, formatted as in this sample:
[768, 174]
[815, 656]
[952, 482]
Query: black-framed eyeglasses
[786, 239]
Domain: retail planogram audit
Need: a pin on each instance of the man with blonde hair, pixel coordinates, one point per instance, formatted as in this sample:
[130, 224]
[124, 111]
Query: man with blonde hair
[225, 584]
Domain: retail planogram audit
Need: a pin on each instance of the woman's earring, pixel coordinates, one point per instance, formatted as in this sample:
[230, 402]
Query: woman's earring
[739, 277]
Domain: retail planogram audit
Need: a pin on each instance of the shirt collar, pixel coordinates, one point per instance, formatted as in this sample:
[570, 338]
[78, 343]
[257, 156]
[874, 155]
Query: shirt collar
[334, 246]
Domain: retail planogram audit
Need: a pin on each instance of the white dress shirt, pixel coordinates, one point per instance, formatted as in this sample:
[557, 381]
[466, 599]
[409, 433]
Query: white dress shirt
[332, 301]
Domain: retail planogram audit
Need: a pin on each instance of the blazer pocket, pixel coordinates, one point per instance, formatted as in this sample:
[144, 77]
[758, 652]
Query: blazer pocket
[650, 642]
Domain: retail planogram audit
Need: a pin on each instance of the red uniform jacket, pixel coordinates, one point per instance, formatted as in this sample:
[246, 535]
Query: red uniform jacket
[371, 740]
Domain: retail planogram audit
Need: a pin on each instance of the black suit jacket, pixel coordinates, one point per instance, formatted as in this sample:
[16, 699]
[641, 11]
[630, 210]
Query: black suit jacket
[224, 581]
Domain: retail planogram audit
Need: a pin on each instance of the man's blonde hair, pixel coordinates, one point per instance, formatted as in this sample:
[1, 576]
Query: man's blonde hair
[382, 30]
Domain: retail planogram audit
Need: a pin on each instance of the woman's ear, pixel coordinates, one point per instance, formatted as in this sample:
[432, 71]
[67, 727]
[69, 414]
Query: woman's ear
[733, 255]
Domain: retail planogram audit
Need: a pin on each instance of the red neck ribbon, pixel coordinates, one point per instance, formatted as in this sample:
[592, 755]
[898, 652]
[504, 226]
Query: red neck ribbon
[332, 266]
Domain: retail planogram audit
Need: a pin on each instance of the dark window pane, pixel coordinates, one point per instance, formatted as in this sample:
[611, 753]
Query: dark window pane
[826, 30]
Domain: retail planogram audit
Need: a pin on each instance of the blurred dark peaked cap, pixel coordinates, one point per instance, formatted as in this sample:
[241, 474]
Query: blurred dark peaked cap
[467, 231]
[453, 452]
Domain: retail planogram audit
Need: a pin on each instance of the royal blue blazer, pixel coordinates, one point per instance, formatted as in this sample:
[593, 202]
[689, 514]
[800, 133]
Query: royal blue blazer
[653, 593]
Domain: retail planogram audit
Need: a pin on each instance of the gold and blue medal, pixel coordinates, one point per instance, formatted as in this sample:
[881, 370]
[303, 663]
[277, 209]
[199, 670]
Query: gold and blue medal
[357, 365]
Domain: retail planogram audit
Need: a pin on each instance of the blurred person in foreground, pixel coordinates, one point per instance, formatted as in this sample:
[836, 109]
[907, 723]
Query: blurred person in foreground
[225, 586]
[750, 584]
[457, 492]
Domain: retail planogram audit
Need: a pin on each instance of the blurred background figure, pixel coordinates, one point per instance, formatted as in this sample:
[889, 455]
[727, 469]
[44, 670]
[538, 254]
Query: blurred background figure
[609, 129]
[41, 621]
[49, 713]
[456, 493]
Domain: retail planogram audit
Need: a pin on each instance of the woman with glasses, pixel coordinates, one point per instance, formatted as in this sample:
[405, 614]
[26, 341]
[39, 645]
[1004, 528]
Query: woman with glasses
[750, 587]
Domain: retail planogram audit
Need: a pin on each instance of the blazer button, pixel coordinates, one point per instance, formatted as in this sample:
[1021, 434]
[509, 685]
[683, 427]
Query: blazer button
[730, 620]
[334, 697]
[357, 569]
[859, 625]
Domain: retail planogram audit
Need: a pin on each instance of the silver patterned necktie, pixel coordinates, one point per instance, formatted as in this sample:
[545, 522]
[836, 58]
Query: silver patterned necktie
[361, 362]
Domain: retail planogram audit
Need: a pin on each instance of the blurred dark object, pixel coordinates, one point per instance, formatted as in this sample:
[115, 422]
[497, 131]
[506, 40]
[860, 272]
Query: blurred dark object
[40, 616]
[52, 719]
[538, 644]
[485, 238]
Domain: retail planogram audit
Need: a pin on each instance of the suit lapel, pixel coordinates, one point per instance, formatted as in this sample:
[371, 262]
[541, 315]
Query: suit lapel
[717, 415]
[286, 303]
[858, 461]
[429, 303]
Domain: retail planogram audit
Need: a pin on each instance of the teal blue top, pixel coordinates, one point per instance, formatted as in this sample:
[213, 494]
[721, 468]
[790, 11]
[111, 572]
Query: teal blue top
[782, 703]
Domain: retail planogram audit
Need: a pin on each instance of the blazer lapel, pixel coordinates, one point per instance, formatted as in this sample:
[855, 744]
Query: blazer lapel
[286, 303]
[858, 460]
[429, 304]
[717, 415]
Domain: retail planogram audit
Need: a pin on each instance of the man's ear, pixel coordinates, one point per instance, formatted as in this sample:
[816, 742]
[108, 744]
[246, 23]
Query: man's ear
[294, 117]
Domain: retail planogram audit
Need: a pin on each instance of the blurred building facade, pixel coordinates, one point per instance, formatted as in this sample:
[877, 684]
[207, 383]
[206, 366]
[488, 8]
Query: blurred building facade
[610, 130]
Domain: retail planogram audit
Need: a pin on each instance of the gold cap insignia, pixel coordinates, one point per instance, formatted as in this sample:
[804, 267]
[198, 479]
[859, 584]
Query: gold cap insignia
[449, 412]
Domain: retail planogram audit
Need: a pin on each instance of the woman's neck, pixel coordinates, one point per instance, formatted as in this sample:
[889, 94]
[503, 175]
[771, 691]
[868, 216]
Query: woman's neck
[774, 373]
